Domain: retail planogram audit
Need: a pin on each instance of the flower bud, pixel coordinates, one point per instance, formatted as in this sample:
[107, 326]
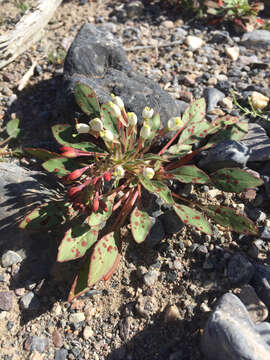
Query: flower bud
[73, 191]
[107, 176]
[82, 128]
[258, 100]
[76, 173]
[119, 171]
[147, 112]
[96, 124]
[69, 152]
[95, 205]
[175, 123]
[116, 111]
[118, 101]
[148, 172]
[132, 119]
[145, 131]
[107, 135]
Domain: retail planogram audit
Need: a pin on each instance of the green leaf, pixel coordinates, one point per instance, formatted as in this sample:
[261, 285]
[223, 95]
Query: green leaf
[80, 284]
[100, 216]
[42, 154]
[179, 150]
[12, 128]
[86, 98]
[193, 217]
[234, 180]
[154, 122]
[45, 216]
[140, 225]
[149, 157]
[230, 219]
[157, 188]
[195, 112]
[194, 133]
[64, 135]
[61, 166]
[190, 174]
[109, 121]
[76, 242]
[103, 258]
[234, 132]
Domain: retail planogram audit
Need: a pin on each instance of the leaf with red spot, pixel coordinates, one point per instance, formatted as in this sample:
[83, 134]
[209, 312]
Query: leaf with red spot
[194, 133]
[193, 217]
[140, 225]
[76, 242]
[42, 154]
[64, 135]
[158, 188]
[195, 112]
[101, 215]
[234, 132]
[108, 119]
[60, 166]
[235, 180]
[190, 174]
[230, 219]
[175, 151]
[80, 283]
[86, 98]
[45, 216]
[103, 258]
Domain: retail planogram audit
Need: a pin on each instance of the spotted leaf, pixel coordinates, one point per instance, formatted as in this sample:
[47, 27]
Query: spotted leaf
[230, 219]
[76, 242]
[103, 258]
[234, 132]
[109, 121]
[235, 180]
[86, 98]
[42, 154]
[194, 133]
[100, 216]
[193, 217]
[60, 166]
[140, 225]
[80, 283]
[190, 174]
[195, 112]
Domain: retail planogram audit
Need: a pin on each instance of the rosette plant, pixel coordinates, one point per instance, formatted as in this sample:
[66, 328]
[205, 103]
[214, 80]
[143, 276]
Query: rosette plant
[112, 167]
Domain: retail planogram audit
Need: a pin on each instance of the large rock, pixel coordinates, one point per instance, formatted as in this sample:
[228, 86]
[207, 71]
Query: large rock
[230, 333]
[258, 143]
[256, 38]
[98, 59]
[261, 283]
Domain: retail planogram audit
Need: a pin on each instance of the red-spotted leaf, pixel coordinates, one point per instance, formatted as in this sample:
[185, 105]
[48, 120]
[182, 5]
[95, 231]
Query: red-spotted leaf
[140, 224]
[157, 188]
[45, 216]
[193, 217]
[195, 112]
[147, 184]
[80, 283]
[230, 219]
[194, 133]
[109, 121]
[101, 215]
[42, 154]
[76, 242]
[175, 151]
[112, 270]
[61, 166]
[190, 174]
[86, 98]
[103, 258]
[234, 132]
[235, 180]
[64, 135]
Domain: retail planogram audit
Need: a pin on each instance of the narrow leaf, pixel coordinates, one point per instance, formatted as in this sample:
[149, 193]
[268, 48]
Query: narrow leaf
[235, 180]
[157, 188]
[103, 258]
[140, 224]
[190, 174]
[230, 219]
[76, 242]
[12, 128]
[61, 166]
[109, 121]
[42, 154]
[193, 217]
[86, 98]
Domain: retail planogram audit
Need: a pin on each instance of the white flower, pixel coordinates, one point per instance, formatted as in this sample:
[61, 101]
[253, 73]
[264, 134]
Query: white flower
[132, 118]
[116, 111]
[96, 124]
[119, 171]
[258, 100]
[82, 128]
[107, 135]
[148, 172]
[145, 131]
[119, 102]
[174, 123]
[147, 112]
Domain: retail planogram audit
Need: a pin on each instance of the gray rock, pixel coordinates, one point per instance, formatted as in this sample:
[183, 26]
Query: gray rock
[60, 354]
[212, 96]
[156, 233]
[228, 153]
[30, 301]
[171, 222]
[230, 334]
[256, 38]
[134, 9]
[150, 277]
[6, 300]
[36, 343]
[240, 270]
[10, 258]
[97, 59]
[257, 142]
[264, 329]
[261, 283]
[264, 232]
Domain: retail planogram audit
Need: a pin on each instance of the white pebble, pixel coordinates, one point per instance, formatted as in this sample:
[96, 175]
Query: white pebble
[232, 52]
[194, 42]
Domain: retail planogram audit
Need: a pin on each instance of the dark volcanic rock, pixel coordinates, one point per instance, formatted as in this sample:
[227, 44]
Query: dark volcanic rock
[98, 59]
[240, 270]
[231, 334]
[261, 283]
[258, 143]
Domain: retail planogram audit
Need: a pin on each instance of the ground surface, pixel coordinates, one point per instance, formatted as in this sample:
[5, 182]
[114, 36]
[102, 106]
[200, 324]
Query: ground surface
[115, 324]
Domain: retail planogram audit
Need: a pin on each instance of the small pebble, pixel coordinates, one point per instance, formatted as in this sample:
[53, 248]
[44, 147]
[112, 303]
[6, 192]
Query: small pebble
[194, 42]
[6, 300]
[30, 301]
[76, 317]
[10, 258]
[171, 313]
[87, 332]
[258, 100]
[232, 52]
[150, 278]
